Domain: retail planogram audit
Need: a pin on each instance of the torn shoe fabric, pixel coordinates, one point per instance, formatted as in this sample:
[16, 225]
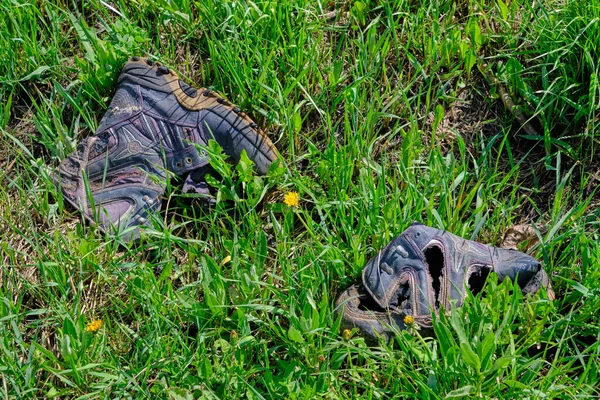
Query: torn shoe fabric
[423, 270]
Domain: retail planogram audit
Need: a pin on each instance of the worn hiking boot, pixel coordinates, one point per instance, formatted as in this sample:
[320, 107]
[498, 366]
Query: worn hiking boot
[424, 269]
[117, 176]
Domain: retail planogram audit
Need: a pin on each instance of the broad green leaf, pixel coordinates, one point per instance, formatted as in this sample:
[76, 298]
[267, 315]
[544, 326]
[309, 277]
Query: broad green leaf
[297, 120]
[463, 391]
[458, 326]
[476, 37]
[486, 349]
[37, 72]
[438, 116]
[503, 9]
[470, 357]
[295, 335]
[502, 362]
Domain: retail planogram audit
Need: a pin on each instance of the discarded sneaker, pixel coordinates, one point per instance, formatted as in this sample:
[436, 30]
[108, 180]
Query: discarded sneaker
[117, 176]
[422, 270]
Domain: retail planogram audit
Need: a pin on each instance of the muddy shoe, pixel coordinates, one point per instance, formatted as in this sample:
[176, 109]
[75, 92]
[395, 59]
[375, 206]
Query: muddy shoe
[117, 176]
[422, 270]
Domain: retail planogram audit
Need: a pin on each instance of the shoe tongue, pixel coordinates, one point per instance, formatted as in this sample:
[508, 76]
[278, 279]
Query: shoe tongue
[386, 275]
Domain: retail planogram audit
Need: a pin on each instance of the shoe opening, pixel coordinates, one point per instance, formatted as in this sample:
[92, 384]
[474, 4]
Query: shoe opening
[401, 299]
[368, 304]
[477, 279]
[434, 256]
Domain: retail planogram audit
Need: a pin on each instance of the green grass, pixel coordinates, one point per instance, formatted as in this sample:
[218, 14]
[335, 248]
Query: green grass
[383, 114]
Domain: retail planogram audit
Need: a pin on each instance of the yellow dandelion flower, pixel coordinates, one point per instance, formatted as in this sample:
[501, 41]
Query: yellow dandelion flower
[346, 334]
[409, 320]
[292, 199]
[94, 326]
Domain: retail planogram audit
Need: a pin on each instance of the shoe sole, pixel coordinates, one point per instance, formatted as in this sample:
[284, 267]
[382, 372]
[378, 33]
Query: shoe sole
[373, 324]
[155, 76]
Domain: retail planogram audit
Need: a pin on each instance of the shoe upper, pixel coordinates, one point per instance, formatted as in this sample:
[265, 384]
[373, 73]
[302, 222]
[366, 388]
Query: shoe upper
[151, 128]
[423, 270]
[425, 267]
